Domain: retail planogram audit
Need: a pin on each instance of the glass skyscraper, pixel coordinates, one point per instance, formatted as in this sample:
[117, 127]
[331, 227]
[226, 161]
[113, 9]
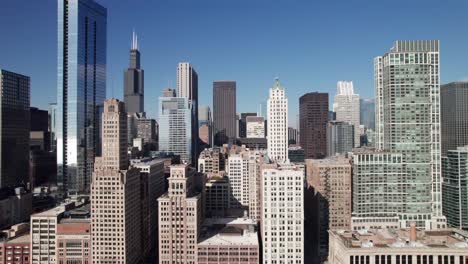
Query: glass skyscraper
[81, 90]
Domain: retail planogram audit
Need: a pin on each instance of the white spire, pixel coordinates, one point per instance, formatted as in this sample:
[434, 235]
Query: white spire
[134, 41]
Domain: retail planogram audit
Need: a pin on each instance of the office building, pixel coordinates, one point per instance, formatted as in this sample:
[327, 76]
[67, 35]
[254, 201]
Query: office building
[257, 159]
[153, 184]
[293, 136]
[81, 90]
[205, 124]
[175, 127]
[455, 187]
[243, 123]
[367, 113]
[42, 168]
[408, 122]
[313, 118]
[282, 221]
[277, 107]
[253, 143]
[217, 195]
[398, 246]
[181, 204]
[147, 130]
[15, 127]
[340, 137]
[15, 245]
[73, 236]
[224, 112]
[346, 107]
[169, 92]
[134, 83]
[237, 169]
[211, 160]
[15, 206]
[228, 240]
[255, 127]
[454, 115]
[53, 125]
[111, 172]
[187, 87]
[296, 154]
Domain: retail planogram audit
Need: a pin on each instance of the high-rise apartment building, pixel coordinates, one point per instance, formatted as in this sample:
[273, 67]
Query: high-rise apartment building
[282, 219]
[116, 186]
[408, 122]
[454, 115]
[15, 127]
[180, 217]
[187, 87]
[346, 107]
[257, 159]
[255, 127]
[243, 124]
[175, 127]
[81, 90]
[224, 112]
[367, 113]
[313, 115]
[237, 169]
[455, 187]
[340, 137]
[134, 86]
[277, 126]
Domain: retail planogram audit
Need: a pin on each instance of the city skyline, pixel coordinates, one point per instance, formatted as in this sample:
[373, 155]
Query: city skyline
[297, 73]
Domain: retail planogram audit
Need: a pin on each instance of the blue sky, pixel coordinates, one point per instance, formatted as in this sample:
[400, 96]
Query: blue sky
[309, 45]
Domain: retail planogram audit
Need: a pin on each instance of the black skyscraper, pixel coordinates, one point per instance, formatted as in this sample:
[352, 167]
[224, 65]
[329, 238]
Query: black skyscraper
[313, 118]
[224, 112]
[134, 82]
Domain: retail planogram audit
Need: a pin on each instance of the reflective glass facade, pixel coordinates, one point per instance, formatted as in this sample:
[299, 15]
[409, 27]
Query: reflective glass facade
[81, 90]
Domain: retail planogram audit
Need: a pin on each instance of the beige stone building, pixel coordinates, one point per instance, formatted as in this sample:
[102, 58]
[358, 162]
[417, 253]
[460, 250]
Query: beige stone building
[115, 194]
[180, 217]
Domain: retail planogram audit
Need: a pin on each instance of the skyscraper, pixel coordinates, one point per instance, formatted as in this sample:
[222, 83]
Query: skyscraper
[175, 127]
[15, 126]
[408, 122]
[340, 137]
[454, 115]
[367, 113]
[224, 112]
[180, 218]
[277, 126]
[346, 107]
[115, 186]
[205, 124]
[187, 87]
[282, 219]
[81, 90]
[313, 115]
[134, 81]
[455, 187]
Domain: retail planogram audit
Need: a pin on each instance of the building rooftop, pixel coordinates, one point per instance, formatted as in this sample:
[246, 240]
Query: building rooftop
[401, 238]
[23, 238]
[228, 232]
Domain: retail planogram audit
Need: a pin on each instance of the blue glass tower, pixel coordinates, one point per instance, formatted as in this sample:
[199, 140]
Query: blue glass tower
[81, 90]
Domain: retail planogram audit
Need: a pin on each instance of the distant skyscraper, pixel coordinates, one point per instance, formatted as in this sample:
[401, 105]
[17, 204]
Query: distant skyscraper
[255, 127]
[340, 137]
[175, 123]
[15, 127]
[205, 125]
[454, 115]
[293, 136]
[187, 87]
[224, 112]
[169, 92]
[134, 86]
[243, 124]
[367, 113]
[313, 111]
[111, 172]
[180, 218]
[282, 221]
[277, 106]
[408, 122]
[455, 187]
[81, 85]
[346, 107]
